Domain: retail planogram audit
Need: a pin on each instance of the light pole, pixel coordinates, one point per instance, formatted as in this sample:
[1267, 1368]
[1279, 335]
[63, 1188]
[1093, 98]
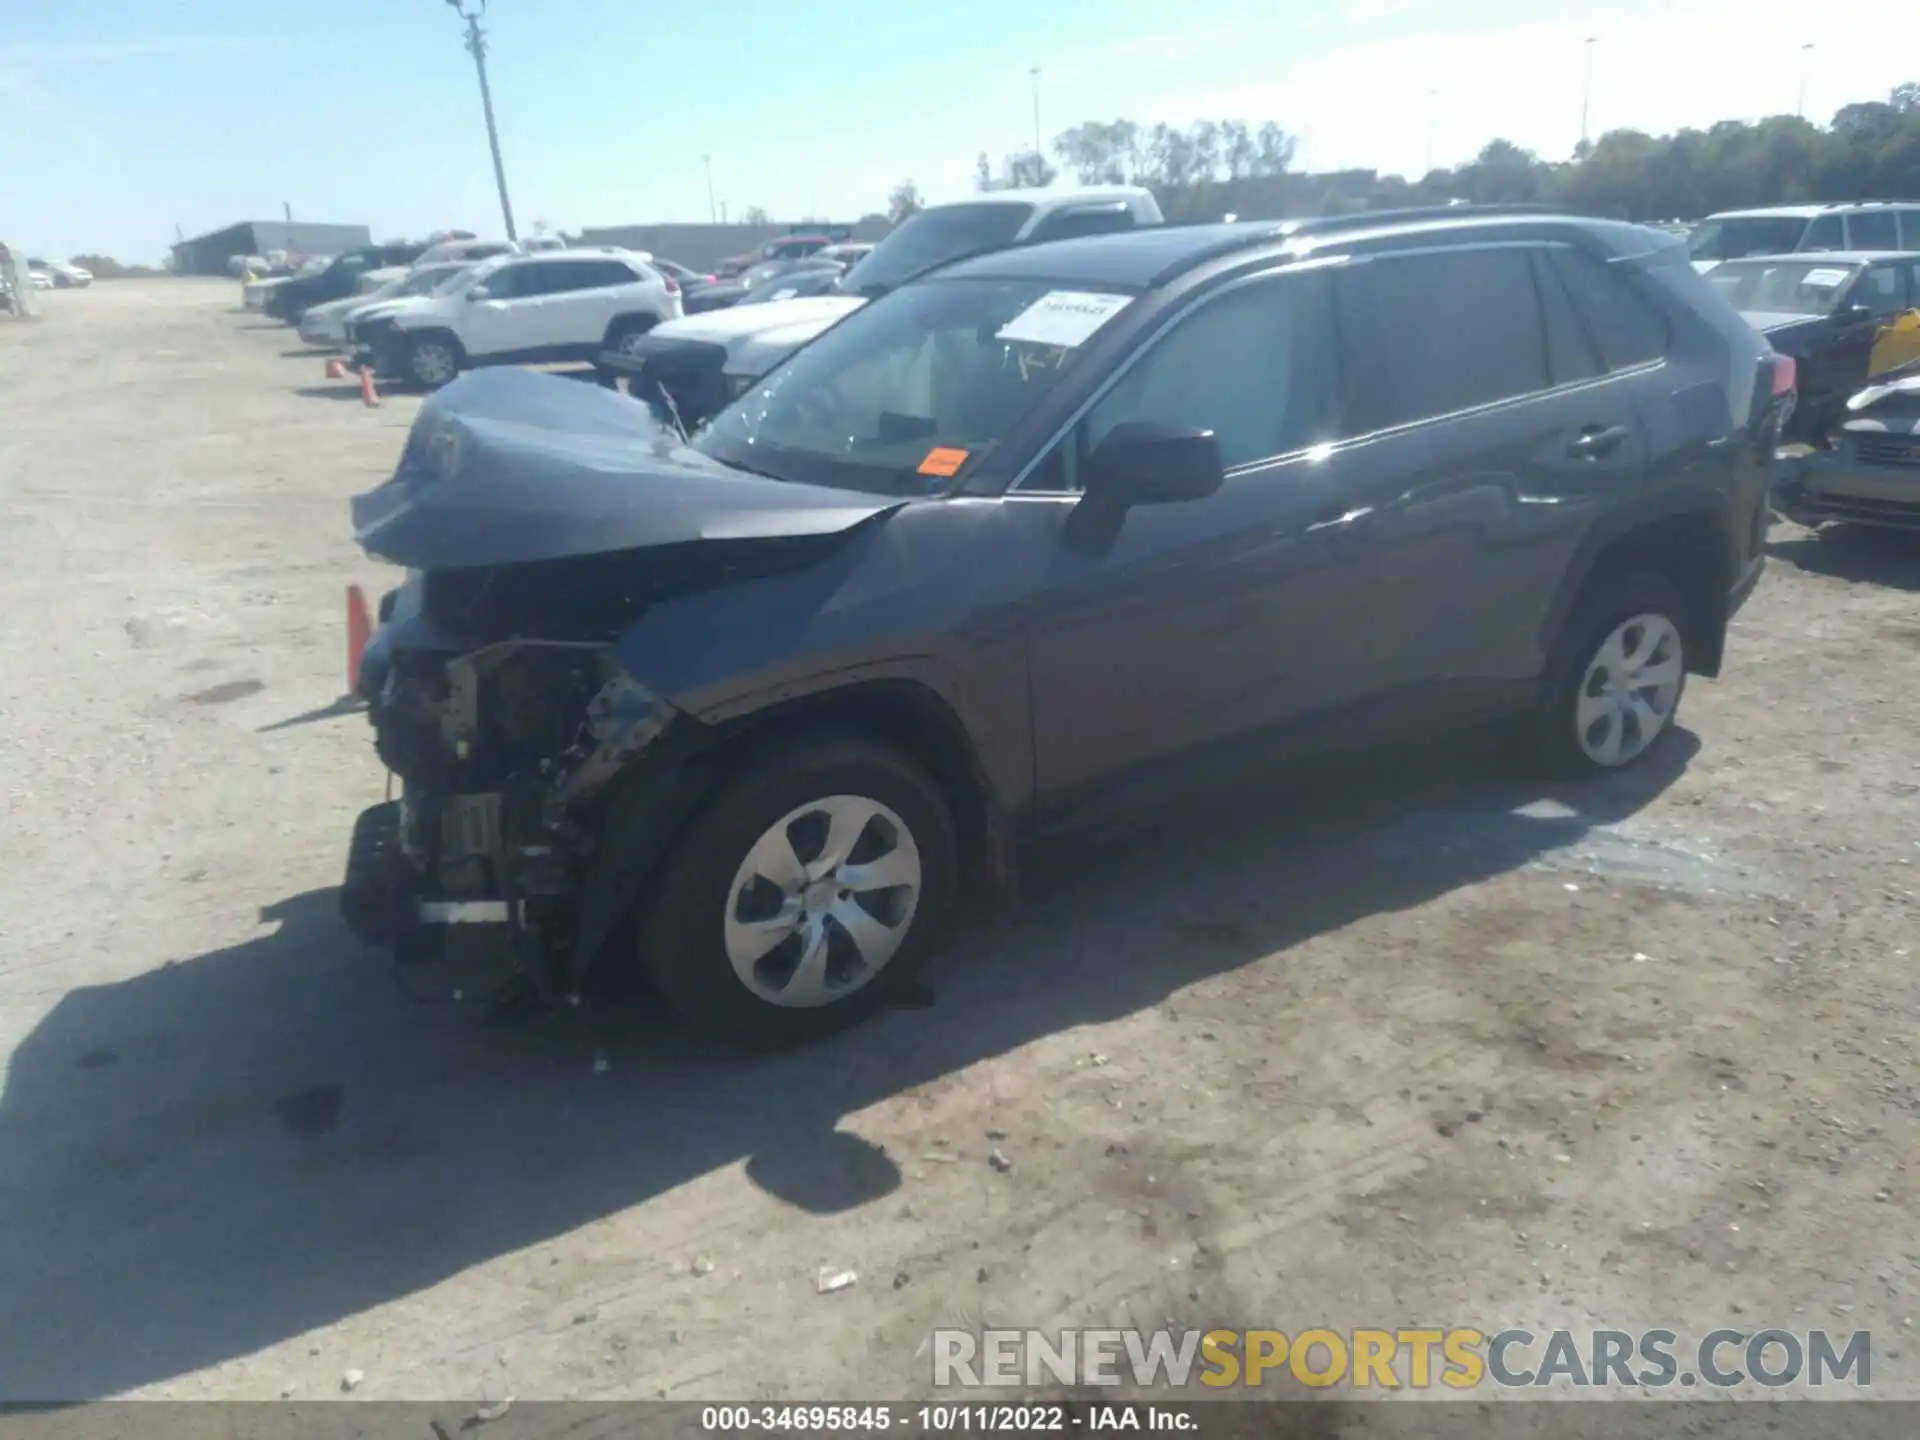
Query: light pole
[1806, 58]
[1035, 73]
[1432, 95]
[471, 11]
[1586, 94]
[713, 213]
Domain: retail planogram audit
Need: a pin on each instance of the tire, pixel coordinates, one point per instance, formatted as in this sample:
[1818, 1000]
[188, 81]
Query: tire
[623, 333]
[1580, 731]
[712, 906]
[432, 360]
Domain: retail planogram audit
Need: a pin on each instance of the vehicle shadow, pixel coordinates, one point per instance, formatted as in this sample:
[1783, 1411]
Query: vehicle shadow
[337, 390]
[1864, 553]
[308, 352]
[222, 1153]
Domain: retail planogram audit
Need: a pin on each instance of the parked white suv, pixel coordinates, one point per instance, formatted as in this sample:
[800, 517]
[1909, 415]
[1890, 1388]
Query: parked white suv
[517, 310]
[699, 364]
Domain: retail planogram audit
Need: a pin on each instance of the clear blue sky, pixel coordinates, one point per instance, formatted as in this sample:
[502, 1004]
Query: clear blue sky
[125, 119]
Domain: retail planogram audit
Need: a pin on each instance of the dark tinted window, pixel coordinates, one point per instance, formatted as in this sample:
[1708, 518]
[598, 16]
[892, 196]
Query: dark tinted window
[1570, 353]
[513, 282]
[1066, 224]
[1882, 289]
[1258, 365]
[1910, 229]
[933, 237]
[1629, 330]
[1452, 330]
[1825, 233]
[595, 274]
[1873, 230]
[1731, 237]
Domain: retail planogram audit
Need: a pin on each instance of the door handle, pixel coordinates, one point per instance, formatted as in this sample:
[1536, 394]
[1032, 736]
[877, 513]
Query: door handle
[1596, 441]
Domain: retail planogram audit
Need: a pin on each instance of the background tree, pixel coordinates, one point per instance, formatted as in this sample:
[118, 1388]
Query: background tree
[755, 215]
[903, 201]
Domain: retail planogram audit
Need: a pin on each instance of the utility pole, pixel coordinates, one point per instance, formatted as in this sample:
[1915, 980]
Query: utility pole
[471, 11]
[1806, 58]
[1035, 73]
[713, 213]
[1432, 95]
[1586, 94]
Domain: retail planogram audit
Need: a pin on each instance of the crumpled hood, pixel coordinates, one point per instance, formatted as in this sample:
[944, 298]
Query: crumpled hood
[506, 467]
[725, 326]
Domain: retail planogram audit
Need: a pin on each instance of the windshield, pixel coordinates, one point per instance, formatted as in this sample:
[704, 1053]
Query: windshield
[934, 237]
[790, 285]
[426, 281]
[902, 394]
[1739, 235]
[1782, 287]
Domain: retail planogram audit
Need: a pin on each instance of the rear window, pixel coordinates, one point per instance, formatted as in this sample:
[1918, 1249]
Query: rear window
[1782, 287]
[1738, 235]
[933, 237]
[1453, 330]
[1626, 327]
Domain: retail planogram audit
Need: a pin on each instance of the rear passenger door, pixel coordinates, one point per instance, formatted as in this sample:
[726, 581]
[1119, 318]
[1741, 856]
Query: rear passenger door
[583, 295]
[1495, 436]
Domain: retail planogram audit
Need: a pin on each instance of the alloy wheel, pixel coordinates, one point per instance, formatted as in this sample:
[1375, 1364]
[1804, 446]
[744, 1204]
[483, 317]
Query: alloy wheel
[433, 363]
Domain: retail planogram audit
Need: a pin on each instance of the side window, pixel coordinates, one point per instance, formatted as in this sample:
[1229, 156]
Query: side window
[1912, 268]
[1825, 233]
[569, 275]
[1065, 224]
[1882, 289]
[1910, 231]
[1257, 364]
[1453, 329]
[1570, 353]
[510, 282]
[1628, 329]
[1873, 230]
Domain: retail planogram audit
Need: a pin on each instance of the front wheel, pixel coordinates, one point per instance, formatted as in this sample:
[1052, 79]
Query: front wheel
[432, 361]
[801, 900]
[1617, 676]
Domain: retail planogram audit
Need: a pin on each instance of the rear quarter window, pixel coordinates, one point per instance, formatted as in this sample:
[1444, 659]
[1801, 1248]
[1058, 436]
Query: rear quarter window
[1625, 325]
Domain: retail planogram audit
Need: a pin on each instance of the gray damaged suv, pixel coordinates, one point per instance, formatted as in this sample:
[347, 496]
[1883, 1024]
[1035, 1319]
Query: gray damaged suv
[753, 713]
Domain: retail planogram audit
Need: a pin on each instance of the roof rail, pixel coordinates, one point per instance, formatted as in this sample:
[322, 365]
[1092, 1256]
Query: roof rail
[1262, 232]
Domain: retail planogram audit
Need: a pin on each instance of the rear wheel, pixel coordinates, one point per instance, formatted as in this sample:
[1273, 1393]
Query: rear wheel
[1617, 676]
[804, 896]
[432, 361]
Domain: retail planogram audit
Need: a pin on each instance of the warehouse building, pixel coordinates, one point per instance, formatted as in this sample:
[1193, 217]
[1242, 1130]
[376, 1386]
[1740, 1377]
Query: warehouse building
[208, 254]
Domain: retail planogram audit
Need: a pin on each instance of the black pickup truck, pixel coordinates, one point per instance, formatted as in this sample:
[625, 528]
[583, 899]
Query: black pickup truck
[290, 301]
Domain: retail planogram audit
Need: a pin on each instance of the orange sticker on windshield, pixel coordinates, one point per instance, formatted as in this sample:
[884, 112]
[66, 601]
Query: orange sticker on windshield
[943, 461]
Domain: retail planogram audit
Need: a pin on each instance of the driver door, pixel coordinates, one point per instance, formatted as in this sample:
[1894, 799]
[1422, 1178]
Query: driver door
[1204, 620]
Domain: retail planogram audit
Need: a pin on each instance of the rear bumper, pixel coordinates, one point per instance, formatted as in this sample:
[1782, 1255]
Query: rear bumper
[1833, 486]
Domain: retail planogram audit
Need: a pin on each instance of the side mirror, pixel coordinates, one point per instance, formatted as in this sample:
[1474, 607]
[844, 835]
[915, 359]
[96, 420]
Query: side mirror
[479, 292]
[1856, 314]
[1142, 463]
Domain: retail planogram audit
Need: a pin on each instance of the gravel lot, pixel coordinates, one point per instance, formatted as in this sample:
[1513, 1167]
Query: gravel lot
[1418, 1047]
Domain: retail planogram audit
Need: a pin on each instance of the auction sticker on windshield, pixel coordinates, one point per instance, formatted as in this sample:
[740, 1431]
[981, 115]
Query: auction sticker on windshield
[1820, 279]
[943, 462]
[1063, 317]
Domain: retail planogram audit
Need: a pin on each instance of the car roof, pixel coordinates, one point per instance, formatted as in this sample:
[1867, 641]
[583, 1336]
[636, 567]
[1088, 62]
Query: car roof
[1151, 254]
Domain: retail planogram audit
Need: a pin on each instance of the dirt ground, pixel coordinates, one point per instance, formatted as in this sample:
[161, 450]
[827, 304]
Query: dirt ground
[1418, 1046]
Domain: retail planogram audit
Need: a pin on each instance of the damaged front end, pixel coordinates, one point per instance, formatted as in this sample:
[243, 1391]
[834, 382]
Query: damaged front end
[539, 780]
[506, 756]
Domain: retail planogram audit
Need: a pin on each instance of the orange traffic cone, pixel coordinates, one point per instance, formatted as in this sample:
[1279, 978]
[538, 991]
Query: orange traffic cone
[336, 369]
[367, 392]
[359, 632]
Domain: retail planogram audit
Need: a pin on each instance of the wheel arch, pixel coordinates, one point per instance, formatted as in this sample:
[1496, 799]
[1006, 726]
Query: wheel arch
[639, 320]
[1689, 541]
